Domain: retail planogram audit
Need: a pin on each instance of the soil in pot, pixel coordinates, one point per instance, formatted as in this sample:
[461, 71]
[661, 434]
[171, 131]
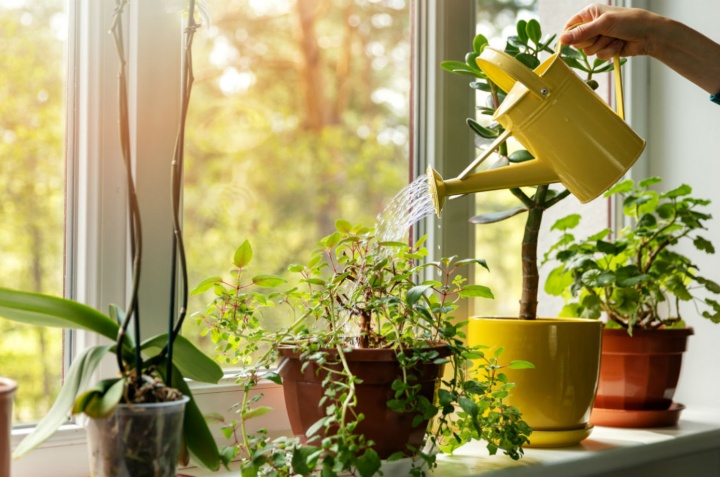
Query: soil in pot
[557, 396]
[139, 440]
[638, 377]
[377, 369]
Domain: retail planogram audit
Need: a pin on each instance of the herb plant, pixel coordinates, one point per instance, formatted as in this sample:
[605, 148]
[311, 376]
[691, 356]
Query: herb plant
[357, 292]
[527, 47]
[637, 277]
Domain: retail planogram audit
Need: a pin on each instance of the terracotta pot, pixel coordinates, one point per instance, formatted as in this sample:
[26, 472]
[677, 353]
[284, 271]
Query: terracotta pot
[641, 371]
[557, 396]
[7, 390]
[377, 369]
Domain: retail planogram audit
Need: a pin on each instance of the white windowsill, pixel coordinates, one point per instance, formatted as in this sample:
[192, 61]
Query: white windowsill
[690, 449]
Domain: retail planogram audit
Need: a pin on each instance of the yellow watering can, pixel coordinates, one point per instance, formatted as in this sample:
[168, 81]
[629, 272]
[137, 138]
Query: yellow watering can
[575, 137]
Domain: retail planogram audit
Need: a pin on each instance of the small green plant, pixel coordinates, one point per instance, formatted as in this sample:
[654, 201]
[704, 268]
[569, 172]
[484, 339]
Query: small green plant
[636, 278]
[357, 292]
[527, 47]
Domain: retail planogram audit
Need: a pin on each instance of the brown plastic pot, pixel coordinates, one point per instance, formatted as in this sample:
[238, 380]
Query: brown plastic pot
[377, 369]
[640, 372]
[7, 390]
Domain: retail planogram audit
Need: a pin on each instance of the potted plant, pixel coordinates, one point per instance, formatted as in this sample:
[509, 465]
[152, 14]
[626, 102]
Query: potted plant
[556, 397]
[7, 390]
[143, 420]
[362, 361]
[637, 280]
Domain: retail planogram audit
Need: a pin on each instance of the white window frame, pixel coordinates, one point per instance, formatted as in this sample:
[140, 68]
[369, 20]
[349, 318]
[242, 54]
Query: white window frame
[96, 223]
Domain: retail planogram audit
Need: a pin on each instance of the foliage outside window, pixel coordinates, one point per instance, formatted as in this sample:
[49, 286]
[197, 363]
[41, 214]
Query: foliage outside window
[32, 41]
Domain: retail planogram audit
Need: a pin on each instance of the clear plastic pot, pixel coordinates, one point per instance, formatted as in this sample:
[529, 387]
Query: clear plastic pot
[141, 440]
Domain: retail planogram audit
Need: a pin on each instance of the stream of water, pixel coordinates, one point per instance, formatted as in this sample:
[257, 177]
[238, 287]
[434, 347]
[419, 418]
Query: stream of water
[408, 207]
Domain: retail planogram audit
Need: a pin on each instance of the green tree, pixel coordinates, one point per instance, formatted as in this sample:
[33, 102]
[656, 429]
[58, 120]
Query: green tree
[300, 116]
[32, 190]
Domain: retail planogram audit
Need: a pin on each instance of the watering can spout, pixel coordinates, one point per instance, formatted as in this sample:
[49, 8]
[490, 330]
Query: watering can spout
[530, 173]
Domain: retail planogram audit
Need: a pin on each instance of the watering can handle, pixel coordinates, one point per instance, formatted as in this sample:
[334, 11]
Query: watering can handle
[504, 70]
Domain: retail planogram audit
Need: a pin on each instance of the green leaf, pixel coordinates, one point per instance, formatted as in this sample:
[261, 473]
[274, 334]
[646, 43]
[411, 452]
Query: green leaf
[100, 401]
[558, 281]
[197, 436]
[521, 29]
[520, 156]
[268, 281]
[304, 459]
[206, 285]
[243, 255]
[192, 362]
[257, 412]
[46, 310]
[343, 226]
[520, 364]
[620, 188]
[710, 285]
[534, 32]
[469, 406]
[493, 217]
[416, 293]
[475, 291]
[528, 60]
[481, 130]
[567, 223]
[704, 245]
[76, 380]
[479, 42]
[684, 189]
[368, 464]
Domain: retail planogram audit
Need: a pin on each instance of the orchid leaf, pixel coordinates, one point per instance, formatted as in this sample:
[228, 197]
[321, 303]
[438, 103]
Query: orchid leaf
[45, 310]
[76, 381]
[192, 362]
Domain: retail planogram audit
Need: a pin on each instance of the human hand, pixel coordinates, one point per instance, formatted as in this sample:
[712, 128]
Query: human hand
[606, 31]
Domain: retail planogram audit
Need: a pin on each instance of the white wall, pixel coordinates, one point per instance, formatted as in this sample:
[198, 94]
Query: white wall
[684, 147]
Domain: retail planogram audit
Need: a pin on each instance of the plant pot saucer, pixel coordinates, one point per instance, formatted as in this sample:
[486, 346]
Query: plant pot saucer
[559, 438]
[636, 418]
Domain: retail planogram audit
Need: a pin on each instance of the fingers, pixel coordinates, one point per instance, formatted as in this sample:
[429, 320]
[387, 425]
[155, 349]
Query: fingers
[615, 47]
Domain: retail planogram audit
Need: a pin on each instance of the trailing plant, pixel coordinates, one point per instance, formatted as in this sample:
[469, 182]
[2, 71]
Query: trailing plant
[153, 370]
[637, 277]
[357, 292]
[527, 47]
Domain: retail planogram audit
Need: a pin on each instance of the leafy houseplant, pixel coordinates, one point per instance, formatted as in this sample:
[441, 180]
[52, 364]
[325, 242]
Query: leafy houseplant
[553, 421]
[359, 296]
[636, 277]
[637, 280]
[151, 373]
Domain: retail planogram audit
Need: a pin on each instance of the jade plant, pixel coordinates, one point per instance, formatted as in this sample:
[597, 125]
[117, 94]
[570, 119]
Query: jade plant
[150, 370]
[637, 277]
[527, 47]
[357, 292]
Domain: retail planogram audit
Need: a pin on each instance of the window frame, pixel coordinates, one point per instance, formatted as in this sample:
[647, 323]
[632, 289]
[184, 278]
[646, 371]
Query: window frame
[97, 248]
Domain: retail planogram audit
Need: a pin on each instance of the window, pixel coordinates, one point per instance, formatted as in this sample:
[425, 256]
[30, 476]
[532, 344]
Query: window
[300, 116]
[32, 190]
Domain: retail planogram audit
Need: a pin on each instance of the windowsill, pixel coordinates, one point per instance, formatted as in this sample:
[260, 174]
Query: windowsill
[691, 448]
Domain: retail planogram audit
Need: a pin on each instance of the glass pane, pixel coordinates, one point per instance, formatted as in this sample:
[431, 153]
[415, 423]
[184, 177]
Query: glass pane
[32, 181]
[500, 243]
[299, 117]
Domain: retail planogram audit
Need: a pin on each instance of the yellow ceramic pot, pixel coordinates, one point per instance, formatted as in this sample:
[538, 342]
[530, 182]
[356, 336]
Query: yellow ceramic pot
[557, 396]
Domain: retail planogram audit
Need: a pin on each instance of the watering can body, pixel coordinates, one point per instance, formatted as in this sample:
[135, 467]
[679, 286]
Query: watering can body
[575, 137]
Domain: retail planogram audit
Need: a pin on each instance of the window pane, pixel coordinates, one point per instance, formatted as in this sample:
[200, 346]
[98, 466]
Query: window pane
[299, 117]
[32, 125]
[500, 242]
